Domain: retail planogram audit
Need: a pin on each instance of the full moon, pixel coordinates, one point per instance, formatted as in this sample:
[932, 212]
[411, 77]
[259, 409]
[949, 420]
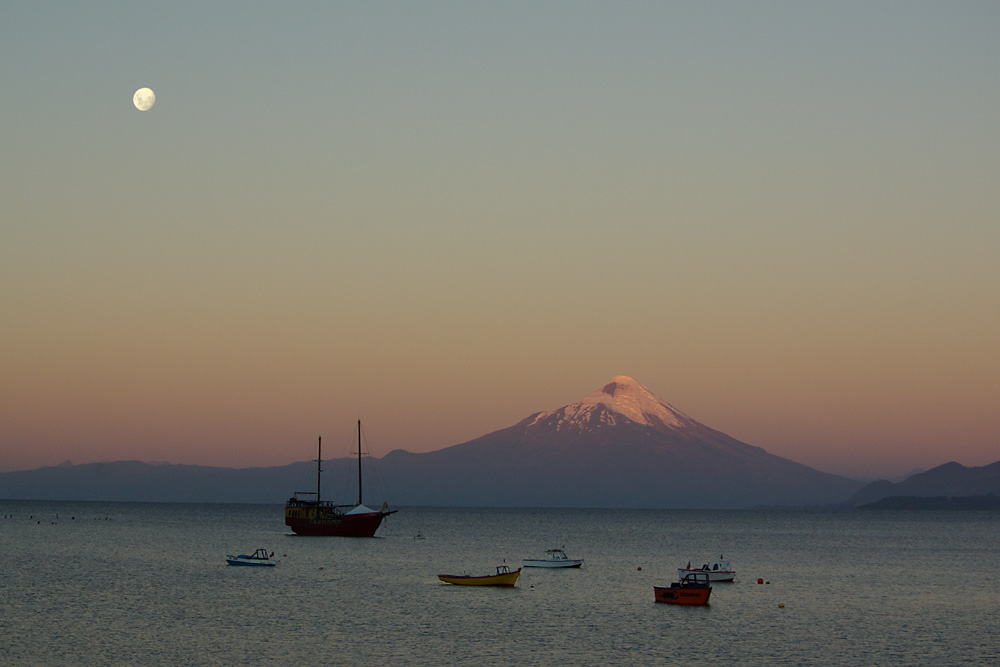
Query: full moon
[144, 99]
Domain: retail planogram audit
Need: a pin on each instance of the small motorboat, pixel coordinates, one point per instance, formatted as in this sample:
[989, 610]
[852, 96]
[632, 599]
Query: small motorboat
[718, 572]
[504, 577]
[692, 589]
[261, 557]
[553, 558]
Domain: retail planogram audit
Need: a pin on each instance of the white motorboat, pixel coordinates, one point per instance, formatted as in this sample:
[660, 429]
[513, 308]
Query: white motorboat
[259, 558]
[718, 571]
[553, 558]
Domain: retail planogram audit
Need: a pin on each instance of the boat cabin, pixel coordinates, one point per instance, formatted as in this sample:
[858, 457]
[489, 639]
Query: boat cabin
[718, 566]
[692, 580]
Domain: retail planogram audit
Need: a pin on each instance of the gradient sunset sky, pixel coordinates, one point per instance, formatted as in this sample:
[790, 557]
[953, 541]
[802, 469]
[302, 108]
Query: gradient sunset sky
[441, 217]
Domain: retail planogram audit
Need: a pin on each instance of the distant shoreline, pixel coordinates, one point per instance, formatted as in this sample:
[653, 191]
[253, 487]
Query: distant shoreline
[987, 502]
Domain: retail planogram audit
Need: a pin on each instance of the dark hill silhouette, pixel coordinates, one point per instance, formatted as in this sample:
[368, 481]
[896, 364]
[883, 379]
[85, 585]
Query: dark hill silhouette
[947, 480]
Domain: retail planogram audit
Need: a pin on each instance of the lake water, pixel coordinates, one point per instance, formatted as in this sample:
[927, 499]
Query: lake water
[128, 584]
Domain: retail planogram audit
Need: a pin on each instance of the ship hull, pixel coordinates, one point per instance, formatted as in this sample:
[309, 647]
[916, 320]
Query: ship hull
[687, 596]
[304, 521]
[551, 563]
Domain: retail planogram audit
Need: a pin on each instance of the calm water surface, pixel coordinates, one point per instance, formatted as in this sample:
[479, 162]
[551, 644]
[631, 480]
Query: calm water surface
[126, 584]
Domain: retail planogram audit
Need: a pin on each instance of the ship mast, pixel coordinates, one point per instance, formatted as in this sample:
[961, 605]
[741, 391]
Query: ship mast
[319, 465]
[359, 461]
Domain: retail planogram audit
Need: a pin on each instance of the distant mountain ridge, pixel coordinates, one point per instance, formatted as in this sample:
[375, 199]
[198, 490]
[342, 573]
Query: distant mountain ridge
[947, 480]
[136, 481]
[618, 447]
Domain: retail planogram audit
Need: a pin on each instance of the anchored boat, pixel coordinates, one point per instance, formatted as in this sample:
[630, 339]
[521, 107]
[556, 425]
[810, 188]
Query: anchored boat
[720, 571]
[553, 558]
[259, 558]
[692, 589]
[504, 577]
[316, 517]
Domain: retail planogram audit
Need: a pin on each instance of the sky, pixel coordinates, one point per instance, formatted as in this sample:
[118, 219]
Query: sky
[443, 217]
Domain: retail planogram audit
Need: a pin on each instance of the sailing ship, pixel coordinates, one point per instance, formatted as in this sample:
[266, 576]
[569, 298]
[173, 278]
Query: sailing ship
[306, 515]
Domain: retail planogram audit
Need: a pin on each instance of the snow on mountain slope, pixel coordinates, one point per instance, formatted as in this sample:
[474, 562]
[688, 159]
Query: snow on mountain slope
[622, 397]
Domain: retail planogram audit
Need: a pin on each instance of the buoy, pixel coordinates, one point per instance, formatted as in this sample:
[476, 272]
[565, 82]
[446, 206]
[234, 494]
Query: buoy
[639, 568]
[781, 605]
[760, 581]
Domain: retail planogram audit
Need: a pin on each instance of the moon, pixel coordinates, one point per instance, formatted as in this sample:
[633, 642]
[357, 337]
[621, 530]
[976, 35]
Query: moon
[144, 99]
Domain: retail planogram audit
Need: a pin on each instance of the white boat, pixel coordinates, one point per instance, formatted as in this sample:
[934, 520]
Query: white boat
[718, 571]
[258, 558]
[553, 558]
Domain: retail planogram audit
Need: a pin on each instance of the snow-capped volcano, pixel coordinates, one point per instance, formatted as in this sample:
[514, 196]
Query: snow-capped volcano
[622, 397]
[618, 446]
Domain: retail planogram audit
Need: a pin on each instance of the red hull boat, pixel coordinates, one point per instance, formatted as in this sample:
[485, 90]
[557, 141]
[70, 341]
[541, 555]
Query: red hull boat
[319, 518]
[307, 517]
[692, 589]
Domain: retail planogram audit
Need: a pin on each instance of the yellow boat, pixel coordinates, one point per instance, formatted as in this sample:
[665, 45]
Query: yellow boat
[504, 577]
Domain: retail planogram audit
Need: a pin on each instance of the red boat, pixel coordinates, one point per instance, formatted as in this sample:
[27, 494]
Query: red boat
[324, 519]
[692, 589]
